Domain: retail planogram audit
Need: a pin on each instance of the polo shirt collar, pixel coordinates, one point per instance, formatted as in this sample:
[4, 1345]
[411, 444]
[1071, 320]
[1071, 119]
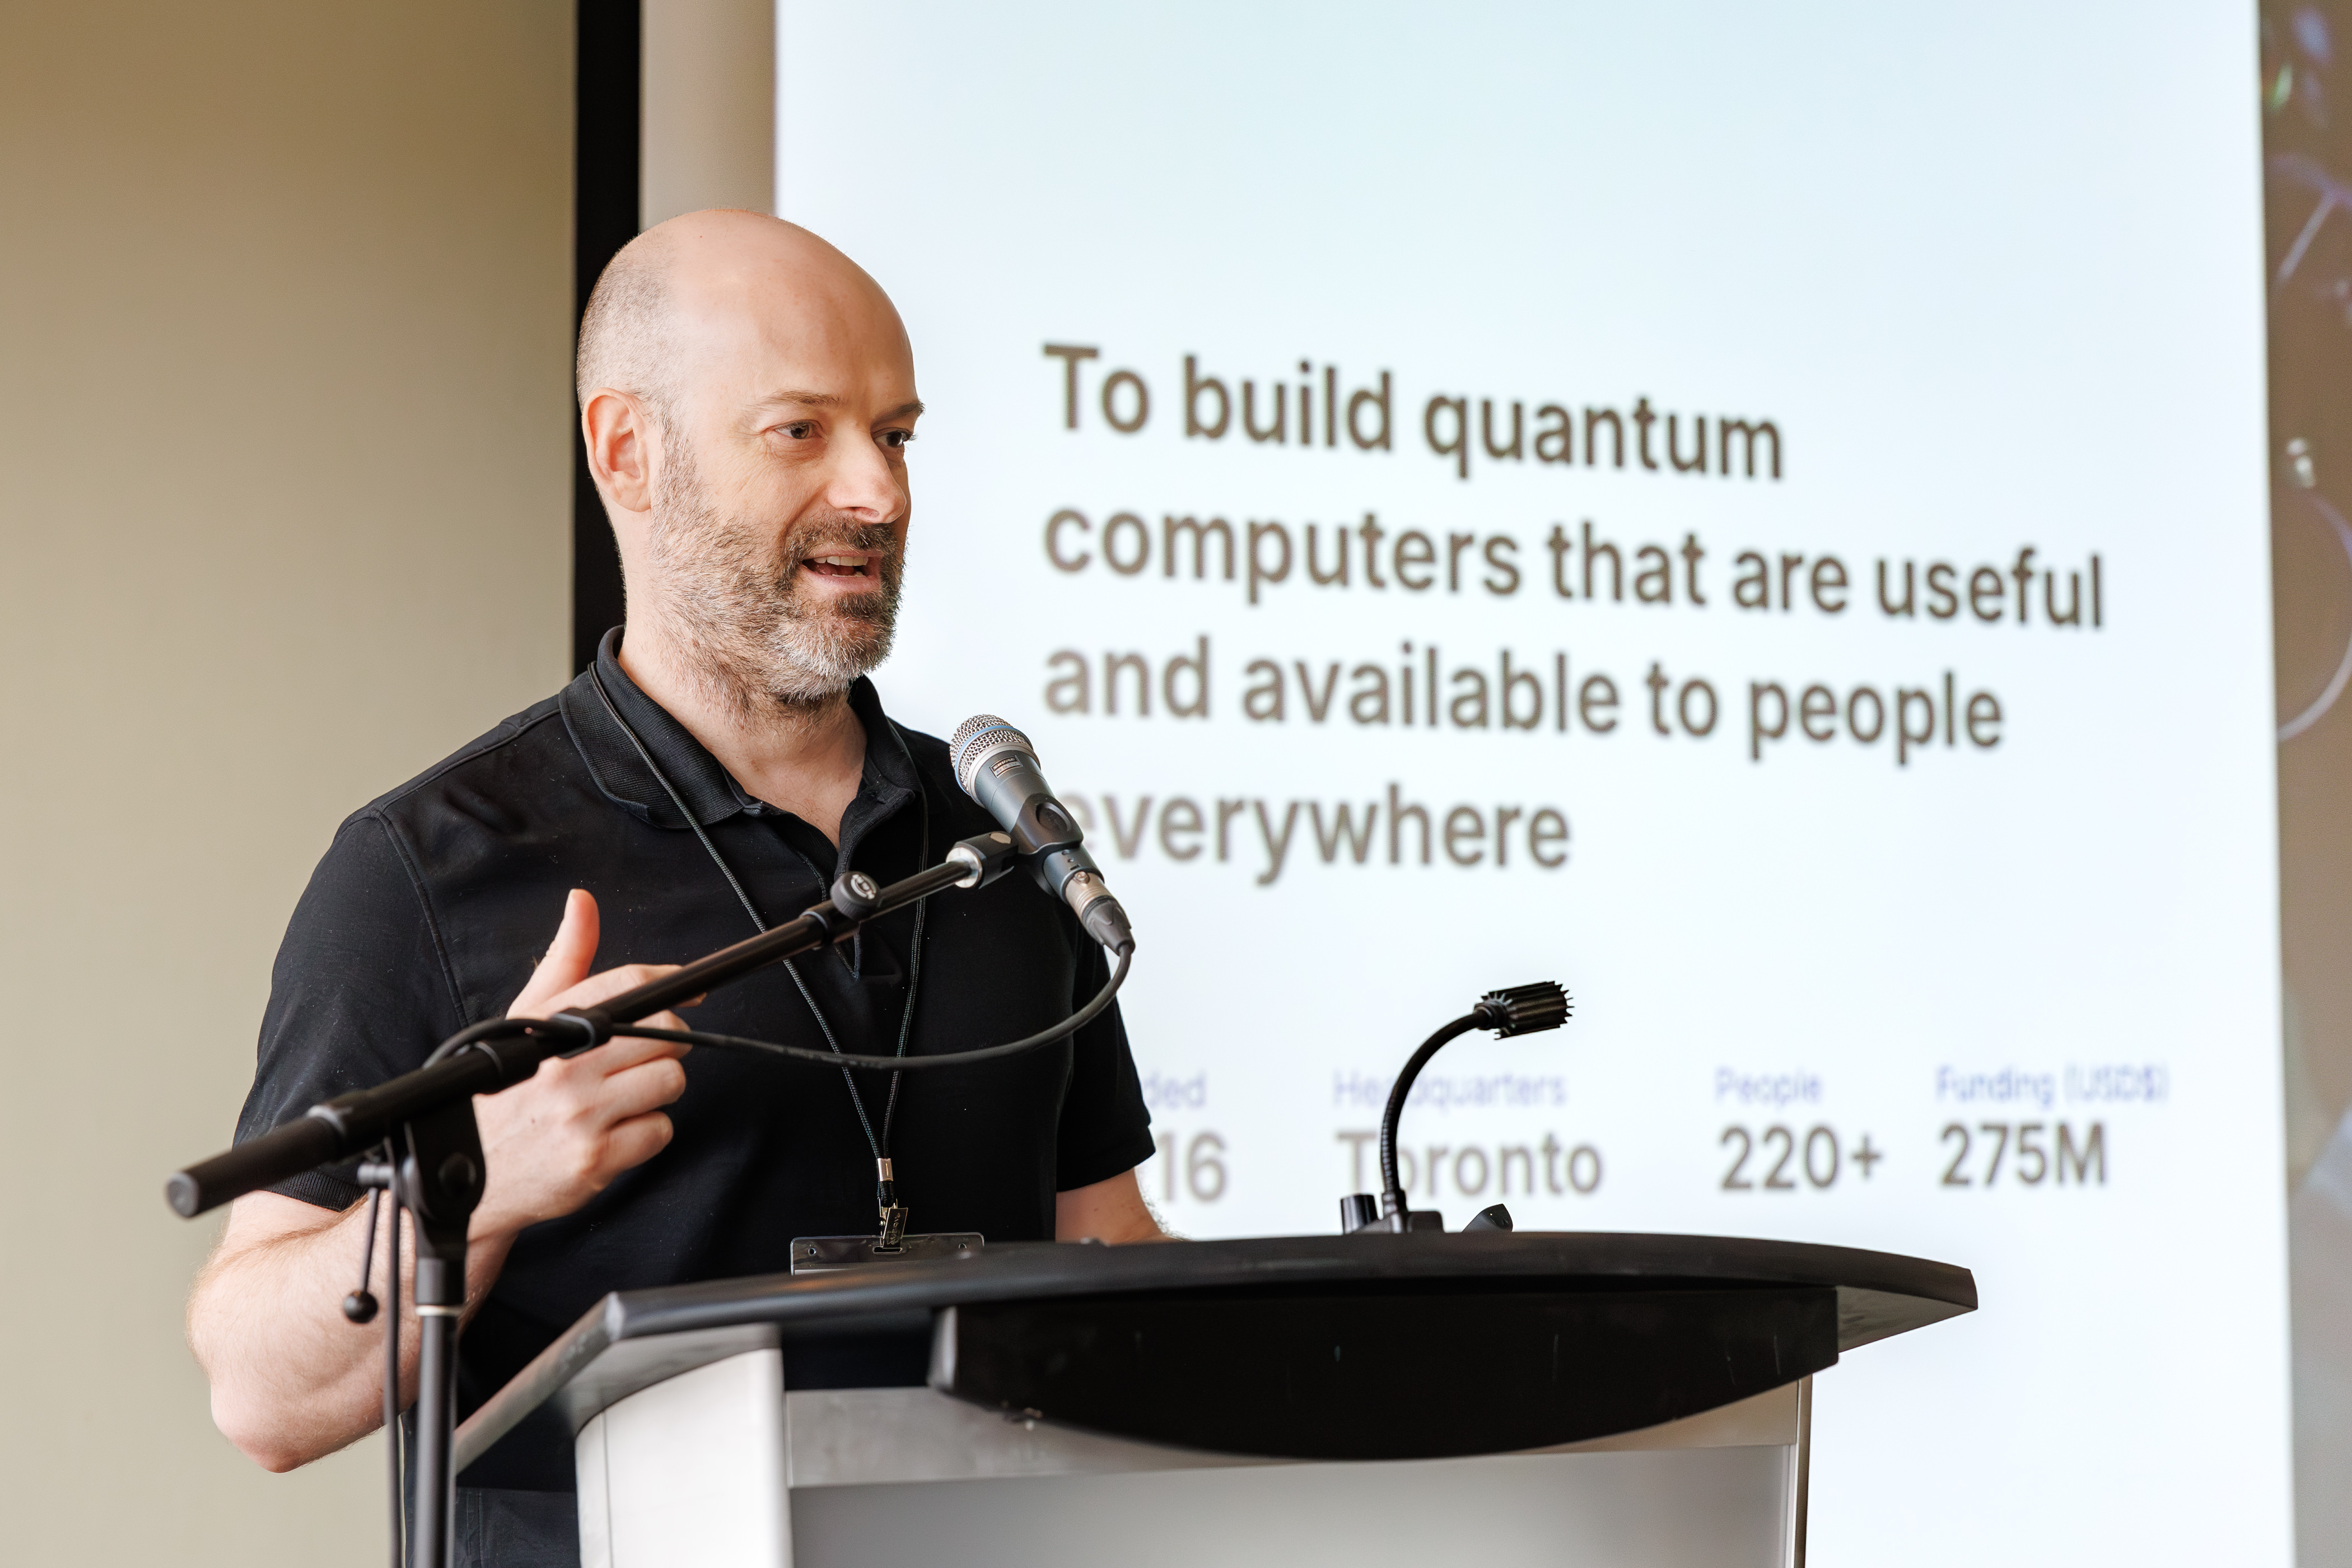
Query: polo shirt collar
[709, 791]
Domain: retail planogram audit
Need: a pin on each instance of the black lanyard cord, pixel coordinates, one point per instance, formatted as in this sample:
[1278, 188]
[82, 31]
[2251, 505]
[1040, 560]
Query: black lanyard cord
[675, 799]
[879, 1144]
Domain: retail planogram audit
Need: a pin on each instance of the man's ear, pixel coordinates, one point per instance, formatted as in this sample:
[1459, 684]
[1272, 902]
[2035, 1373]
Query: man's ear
[622, 448]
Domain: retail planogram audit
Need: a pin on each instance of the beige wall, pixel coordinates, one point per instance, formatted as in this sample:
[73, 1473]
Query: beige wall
[710, 107]
[285, 306]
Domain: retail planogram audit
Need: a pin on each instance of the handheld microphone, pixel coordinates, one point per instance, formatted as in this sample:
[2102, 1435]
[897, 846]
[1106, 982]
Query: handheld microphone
[996, 765]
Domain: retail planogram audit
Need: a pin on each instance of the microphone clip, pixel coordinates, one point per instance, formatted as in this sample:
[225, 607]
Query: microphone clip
[985, 856]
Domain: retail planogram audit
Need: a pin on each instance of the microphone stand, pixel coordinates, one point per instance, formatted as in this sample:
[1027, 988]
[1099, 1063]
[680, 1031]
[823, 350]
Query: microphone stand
[437, 1168]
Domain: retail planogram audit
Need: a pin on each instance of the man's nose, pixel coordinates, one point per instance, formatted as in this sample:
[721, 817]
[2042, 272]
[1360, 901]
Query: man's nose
[862, 482]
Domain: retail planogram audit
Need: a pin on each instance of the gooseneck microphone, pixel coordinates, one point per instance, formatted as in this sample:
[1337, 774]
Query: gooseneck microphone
[996, 765]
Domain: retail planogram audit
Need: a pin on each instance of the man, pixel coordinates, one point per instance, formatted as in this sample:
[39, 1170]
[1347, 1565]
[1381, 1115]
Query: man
[747, 395]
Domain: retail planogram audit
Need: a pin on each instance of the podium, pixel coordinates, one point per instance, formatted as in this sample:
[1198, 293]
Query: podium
[1374, 1399]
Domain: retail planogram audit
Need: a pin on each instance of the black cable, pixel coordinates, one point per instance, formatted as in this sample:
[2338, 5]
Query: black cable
[833, 1057]
[1070, 1026]
[498, 1029]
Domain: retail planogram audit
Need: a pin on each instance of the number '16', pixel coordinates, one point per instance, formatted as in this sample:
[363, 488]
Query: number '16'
[1203, 1162]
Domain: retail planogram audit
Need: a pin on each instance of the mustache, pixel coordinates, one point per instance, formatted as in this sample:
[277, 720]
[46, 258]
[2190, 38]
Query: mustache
[878, 539]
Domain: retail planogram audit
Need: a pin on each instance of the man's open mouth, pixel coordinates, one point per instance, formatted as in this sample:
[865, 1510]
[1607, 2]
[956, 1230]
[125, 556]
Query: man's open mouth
[841, 566]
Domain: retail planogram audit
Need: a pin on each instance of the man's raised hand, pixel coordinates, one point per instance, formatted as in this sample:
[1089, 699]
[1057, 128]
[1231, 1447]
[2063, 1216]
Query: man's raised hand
[558, 1139]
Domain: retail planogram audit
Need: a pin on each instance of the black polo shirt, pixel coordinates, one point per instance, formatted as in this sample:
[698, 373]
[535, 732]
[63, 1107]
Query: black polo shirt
[434, 902]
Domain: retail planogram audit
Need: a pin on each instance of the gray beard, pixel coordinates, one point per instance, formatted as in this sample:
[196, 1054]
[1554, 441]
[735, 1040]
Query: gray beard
[730, 590]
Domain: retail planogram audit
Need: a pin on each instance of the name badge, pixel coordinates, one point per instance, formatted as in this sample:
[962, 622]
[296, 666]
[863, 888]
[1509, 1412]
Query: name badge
[831, 1254]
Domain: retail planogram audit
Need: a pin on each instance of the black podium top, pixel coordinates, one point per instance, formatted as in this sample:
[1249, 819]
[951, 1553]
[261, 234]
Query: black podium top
[1370, 1346]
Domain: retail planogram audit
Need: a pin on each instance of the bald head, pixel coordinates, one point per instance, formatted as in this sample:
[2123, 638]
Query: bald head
[746, 396]
[707, 283]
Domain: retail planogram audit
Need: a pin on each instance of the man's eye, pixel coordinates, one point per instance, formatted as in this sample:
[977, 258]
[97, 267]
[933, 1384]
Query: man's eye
[894, 439]
[801, 429]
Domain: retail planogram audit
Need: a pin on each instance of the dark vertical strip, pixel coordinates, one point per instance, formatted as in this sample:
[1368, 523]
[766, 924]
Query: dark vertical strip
[603, 219]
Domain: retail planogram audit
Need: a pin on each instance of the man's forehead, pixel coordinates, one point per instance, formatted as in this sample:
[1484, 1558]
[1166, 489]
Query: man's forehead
[800, 345]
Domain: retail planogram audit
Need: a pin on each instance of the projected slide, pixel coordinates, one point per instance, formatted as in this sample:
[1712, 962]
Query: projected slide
[1759, 516]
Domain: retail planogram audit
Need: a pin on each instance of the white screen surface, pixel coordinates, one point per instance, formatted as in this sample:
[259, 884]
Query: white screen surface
[1994, 280]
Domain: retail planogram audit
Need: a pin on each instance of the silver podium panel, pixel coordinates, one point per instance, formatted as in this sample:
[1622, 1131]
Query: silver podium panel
[721, 1467]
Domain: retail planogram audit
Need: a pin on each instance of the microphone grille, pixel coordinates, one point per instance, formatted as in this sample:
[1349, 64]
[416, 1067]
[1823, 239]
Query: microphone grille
[975, 738]
[1526, 1009]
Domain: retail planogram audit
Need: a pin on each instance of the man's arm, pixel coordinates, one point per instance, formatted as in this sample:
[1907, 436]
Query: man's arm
[291, 1379]
[1112, 1211]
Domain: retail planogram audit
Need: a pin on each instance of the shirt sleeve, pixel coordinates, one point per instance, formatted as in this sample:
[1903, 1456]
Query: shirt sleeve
[1105, 1128]
[360, 993]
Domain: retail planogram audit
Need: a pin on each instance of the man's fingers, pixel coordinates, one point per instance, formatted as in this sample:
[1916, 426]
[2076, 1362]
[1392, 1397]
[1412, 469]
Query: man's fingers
[649, 1086]
[574, 947]
[568, 958]
[632, 1143]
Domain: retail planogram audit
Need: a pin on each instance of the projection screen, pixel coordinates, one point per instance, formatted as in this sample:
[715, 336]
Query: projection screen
[1756, 514]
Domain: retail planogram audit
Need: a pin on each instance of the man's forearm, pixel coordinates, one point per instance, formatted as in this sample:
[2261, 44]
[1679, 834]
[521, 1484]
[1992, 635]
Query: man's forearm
[1112, 1211]
[291, 1378]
